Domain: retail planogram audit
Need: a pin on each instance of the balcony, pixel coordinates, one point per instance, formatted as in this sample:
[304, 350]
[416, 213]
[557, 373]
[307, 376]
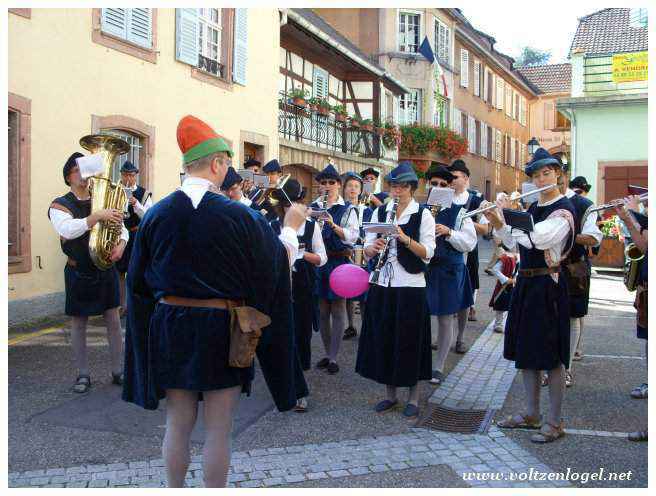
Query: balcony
[310, 127]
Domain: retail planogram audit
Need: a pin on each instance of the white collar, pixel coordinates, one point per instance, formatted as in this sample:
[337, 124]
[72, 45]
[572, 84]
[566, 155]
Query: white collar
[195, 188]
[340, 200]
[569, 193]
[413, 207]
[546, 204]
[460, 198]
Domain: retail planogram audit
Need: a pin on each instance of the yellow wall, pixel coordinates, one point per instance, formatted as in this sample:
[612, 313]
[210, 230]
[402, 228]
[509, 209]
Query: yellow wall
[67, 77]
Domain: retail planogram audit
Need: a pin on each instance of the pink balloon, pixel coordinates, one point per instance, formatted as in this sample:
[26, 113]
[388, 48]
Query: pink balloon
[349, 281]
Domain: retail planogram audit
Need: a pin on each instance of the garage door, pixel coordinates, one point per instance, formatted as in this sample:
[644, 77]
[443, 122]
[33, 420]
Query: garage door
[616, 177]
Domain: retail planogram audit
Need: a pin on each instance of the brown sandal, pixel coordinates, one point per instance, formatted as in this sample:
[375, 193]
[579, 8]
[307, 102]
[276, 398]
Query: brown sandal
[549, 435]
[520, 421]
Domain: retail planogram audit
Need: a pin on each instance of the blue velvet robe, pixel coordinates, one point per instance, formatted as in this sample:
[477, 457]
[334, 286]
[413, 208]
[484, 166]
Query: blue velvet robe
[222, 249]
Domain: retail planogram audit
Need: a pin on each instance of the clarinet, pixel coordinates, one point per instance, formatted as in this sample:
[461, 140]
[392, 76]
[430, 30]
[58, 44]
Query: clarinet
[324, 206]
[382, 258]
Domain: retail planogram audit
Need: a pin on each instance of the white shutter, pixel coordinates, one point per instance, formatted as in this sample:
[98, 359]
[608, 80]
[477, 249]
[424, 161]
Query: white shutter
[477, 77]
[319, 83]
[508, 101]
[240, 50]
[483, 139]
[186, 36]
[139, 27]
[464, 68]
[115, 22]
[485, 83]
[499, 93]
[498, 149]
[512, 152]
[457, 121]
[515, 106]
[522, 110]
[471, 133]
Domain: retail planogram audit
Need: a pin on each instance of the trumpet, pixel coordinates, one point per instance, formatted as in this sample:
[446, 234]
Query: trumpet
[382, 257]
[473, 213]
[260, 195]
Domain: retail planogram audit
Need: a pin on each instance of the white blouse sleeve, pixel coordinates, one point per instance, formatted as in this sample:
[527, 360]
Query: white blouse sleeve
[464, 239]
[496, 270]
[427, 234]
[590, 228]
[66, 226]
[317, 245]
[290, 240]
[352, 227]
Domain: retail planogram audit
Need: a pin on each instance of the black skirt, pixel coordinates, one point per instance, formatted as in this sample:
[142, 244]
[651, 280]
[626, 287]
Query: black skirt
[189, 349]
[472, 268]
[91, 292]
[394, 346]
[537, 328]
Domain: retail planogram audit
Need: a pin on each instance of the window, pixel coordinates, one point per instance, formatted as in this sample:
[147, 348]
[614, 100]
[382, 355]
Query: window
[464, 68]
[209, 41]
[463, 125]
[517, 154]
[457, 121]
[442, 42]
[441, 115]
[507, 151]
[18, 184]
[410, 108]
[477, 148]
[562, 122]
[133, 155]
[516, 106]
[490, 87]
[509, 100]
[638, 18]
[409, 32]
[131, 31]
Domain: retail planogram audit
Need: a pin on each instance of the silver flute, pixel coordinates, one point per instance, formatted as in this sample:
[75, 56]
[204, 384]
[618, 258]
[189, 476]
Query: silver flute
[494, 205]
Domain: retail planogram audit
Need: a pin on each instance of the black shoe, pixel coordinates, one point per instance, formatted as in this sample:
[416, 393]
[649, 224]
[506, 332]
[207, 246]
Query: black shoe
[433, 346]
[323, 363]
[350, 333]
[411, 411]
[461, 349]
[117, 379]
[437, 378]
[332, 368]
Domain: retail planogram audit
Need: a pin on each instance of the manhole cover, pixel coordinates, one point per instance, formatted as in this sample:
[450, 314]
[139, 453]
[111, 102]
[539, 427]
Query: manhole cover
[440, 418]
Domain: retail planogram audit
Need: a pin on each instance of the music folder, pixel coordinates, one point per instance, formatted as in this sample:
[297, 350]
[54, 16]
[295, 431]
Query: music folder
[384, 228]
[518, 219]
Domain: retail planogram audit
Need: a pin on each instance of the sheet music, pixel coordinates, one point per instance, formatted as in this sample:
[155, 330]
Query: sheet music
[527, 188]
[380, 228]
[246, 174]
[440, 196]
[90, 165]
[368, 188]
[260, 181]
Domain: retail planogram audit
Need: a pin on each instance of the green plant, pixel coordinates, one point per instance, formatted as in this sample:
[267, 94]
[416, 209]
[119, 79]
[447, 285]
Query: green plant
[356, 120]
[322, 103]
[392, 137]
[298, 93]
[610, 227]
[367, 122]
[339, 109]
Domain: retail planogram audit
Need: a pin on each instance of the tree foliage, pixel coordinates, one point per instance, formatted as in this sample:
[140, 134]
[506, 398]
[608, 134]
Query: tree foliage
[532, 56]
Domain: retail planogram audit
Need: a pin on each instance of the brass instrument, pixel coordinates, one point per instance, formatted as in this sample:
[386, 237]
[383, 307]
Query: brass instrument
[474, 213]
[105, 194]
[632, 268]
[382, 257]
[261, 195]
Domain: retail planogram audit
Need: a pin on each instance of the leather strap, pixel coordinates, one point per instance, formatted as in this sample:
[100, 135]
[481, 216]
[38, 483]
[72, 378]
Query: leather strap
[180, 301]
[343, 253]
[539, 272]
[133, 229]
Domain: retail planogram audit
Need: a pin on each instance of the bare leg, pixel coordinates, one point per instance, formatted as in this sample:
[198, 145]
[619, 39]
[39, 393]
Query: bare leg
[115, 339]
[181, 413]
[219, 408]
[579, 345]
[532, 390]
[79, 344]
[556, 394]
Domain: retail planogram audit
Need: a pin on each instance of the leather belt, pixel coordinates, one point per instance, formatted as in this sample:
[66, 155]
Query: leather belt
[180, 301]
[132, 229]
[342, 253]
[539, 272]
[70, 262]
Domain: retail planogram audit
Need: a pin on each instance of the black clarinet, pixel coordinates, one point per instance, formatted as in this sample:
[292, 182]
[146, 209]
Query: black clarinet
[382, 258]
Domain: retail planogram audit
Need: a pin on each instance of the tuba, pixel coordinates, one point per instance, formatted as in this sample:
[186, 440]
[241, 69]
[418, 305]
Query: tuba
[105, 194]
[634, 261]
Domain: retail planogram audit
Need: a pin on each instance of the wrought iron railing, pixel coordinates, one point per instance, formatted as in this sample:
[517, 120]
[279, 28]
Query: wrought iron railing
[310, 127]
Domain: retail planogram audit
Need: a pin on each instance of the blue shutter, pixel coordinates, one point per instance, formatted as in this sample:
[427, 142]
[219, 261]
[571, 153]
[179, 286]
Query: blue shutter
[320, 83]
[114, 22]
[186, 36]
[240, 55]
[139, 27]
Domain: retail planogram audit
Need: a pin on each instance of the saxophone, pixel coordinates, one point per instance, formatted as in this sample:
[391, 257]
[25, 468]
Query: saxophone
[105, 194]
[634, 260]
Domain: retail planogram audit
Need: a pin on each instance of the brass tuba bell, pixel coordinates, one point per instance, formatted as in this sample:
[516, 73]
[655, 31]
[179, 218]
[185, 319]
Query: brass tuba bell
[634, 260]
[105, 194]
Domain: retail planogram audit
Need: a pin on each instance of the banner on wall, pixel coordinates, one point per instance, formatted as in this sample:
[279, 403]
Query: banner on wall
[628, 67]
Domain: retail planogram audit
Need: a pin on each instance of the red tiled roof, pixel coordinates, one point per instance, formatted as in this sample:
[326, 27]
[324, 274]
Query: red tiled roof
[551, 78]
[609, 31]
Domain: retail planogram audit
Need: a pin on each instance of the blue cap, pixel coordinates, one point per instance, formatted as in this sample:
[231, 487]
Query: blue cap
[128, 167]
[402, 173]
[438, 170]
[251, 162]
[351, 175]
[329, 173]
[272, 166]
[231, 178]
[382, 196]
[541, 158]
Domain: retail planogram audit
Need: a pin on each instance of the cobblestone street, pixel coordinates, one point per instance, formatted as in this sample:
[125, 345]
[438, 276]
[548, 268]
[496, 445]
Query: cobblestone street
[59, 440]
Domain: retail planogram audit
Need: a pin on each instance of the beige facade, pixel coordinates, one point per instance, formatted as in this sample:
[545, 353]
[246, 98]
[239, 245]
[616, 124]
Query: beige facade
[68, 79]
[491, 110]
[550, 127]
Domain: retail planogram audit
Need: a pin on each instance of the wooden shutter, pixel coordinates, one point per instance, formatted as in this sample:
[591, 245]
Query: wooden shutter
[522, 111]
[477, 77]
[186, 36]
[471, 133]
[512, 152]
[464, 68]
[240, 49]
[457, 121]
[549, 115]
[509, 104]
[114, 22]
[483, 139]
[485, 83]
[140, 27]
[499, 93]
[498, 149]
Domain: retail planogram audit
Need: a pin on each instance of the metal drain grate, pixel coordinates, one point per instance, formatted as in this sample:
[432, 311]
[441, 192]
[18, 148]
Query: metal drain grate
[440, 418]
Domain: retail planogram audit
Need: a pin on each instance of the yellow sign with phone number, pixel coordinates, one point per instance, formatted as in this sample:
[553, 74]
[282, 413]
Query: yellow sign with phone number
[629, 67]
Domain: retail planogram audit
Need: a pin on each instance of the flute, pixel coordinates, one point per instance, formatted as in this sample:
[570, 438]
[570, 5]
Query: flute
[524, 195]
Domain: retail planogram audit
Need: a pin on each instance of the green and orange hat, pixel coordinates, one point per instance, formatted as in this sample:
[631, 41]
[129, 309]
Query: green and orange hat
[197, 140]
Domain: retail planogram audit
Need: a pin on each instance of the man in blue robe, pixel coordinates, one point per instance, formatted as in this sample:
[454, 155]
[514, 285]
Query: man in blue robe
[197, 255]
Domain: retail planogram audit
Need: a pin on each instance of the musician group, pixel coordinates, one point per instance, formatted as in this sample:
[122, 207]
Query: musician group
[222, 270]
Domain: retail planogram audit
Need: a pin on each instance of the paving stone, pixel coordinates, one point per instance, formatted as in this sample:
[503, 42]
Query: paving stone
[316, 475]
[56, 471]
[257, 475]
[39, 481]
[99, 483]
[379, 468]
[59, 479]
[294, 478]
[237, 478]
[251, 483]
[338, 473]
[157, 463]
[273, 481]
